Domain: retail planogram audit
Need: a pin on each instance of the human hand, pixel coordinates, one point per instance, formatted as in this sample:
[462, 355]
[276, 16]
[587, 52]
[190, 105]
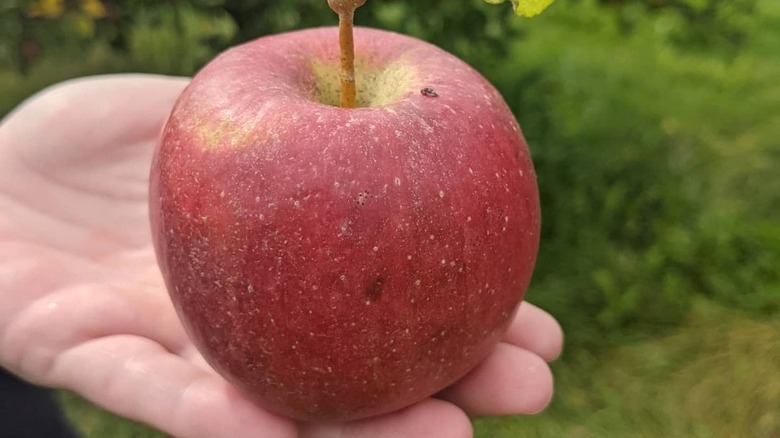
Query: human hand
[83, 305]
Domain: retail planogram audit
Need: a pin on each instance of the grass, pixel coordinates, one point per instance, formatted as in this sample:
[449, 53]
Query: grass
[718, 375]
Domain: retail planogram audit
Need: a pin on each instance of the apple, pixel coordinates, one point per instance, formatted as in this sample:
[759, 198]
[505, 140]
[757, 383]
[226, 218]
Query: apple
[340, 263]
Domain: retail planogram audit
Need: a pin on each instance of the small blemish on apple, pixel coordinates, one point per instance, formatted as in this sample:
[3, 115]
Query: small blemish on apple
[374, 290]
[362, 197]
[429, 92]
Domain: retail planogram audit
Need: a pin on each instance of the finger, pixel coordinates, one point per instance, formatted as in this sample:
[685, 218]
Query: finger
[35, 337]
[535, 330]
[98, 123]
[139, 379]
[430, 418]
[92, 110]
[510, 381]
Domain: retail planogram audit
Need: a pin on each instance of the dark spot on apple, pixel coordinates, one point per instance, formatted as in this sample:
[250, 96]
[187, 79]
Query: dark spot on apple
[429, 92]
[363, 197]
[374, 290]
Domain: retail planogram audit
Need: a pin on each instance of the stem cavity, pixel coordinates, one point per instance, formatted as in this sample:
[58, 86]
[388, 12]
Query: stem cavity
[346, 12]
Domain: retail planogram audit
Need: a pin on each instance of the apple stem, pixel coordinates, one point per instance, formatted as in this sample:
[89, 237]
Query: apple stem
[346, 12]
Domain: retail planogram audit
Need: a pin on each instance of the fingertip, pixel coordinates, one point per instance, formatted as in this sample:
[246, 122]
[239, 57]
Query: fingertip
[511, 381]
[536, 330]
[429, 418]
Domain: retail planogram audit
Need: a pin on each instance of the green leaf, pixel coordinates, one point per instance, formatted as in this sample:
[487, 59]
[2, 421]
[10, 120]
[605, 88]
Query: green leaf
[526, 8]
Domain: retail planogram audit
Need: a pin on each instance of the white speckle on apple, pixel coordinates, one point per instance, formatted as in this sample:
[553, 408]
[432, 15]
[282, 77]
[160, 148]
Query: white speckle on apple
[431, 237]
[397, 181]
[376, 248]
[443, 261]
[409, 257]
[441, 193]
[417, 283]
[468, 219]
[471, 171]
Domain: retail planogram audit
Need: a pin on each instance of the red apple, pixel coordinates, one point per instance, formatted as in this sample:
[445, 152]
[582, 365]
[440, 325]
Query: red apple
[333, 263]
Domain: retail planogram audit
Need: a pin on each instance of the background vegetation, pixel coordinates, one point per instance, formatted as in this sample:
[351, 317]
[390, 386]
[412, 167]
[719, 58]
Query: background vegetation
[655, 128]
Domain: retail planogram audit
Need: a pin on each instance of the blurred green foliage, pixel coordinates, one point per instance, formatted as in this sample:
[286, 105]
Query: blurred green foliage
[656, 168]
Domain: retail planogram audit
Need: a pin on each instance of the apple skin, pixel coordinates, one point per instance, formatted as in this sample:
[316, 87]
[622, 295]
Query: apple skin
[335, 264]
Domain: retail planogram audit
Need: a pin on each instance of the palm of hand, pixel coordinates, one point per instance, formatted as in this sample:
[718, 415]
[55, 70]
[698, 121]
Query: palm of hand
[84, 307]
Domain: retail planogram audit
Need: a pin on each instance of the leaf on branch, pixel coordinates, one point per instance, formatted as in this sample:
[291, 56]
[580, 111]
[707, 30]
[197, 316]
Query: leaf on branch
[526, 8]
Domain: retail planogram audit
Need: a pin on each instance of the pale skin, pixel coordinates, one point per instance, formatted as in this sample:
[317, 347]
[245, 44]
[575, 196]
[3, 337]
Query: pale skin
[83, 306]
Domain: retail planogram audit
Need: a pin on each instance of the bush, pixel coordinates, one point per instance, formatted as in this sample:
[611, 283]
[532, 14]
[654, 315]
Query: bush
[650, 175]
